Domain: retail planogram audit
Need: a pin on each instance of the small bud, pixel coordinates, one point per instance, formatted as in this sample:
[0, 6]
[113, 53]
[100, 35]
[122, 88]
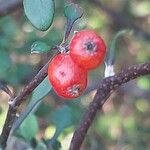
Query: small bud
[109, 70]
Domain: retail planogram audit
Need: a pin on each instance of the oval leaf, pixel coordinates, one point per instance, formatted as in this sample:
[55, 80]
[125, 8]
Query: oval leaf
[41, 90]
[41, 146]
[62, 117]
[111, 56]
[73, 12]
[39, 12]
[39, 47]
[37, 97]
[29, 127]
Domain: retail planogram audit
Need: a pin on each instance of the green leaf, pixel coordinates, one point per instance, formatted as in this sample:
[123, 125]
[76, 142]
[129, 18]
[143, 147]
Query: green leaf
[39, 12]
[111, 56]
[41, 146]
[41, 90]
[9, 31]
[5, 63]
[43, 110]
[19, 73]
[144, 83]
[62, 117]
[56, 145]
[37, 97]
[29, 128]
[39, 47]
[73, 12]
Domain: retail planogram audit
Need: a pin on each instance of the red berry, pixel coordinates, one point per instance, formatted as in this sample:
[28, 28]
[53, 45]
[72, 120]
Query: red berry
[67, 78]
[87, 49]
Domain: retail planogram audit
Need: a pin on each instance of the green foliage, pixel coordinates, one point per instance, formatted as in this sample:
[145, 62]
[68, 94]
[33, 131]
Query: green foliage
[130, 124]
[18, 73]
[28, 128]
[144, 83]
[39, 47]
[73, 12]
[7, 32]
[41, 146]
[104, 126]
[38, 95]
[43, 110]
[41, 90]
[143, 105]
[39, 12]
[62, 117]
[111, 56]
[5, 63]
[142, 8]
[112, 53]
[3, 112]
[57, 145]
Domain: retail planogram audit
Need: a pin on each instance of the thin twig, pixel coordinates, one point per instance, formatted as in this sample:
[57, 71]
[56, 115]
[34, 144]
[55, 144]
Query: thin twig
[131, 89]
[106, 87]
[11, 114]
[15, 103]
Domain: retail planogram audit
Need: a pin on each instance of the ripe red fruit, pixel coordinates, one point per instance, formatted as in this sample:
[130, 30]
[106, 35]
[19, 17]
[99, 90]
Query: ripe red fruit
[87, 49]
[67, 78]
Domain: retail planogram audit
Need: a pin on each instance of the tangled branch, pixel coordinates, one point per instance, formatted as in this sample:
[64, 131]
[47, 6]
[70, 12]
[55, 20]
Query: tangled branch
[15, 103]
[106, 87]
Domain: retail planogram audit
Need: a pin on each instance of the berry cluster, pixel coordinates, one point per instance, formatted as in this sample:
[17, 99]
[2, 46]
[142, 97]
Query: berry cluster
[67, 72]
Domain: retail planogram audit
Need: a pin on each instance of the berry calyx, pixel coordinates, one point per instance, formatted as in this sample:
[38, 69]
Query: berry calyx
[67, 78]
[87, 49]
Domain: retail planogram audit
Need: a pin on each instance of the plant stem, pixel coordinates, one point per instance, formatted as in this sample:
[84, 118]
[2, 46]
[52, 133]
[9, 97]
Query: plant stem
[106, 87]
[15, 103]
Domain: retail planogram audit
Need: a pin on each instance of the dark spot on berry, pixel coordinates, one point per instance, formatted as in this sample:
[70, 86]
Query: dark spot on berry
[62, 73]
[90, 46]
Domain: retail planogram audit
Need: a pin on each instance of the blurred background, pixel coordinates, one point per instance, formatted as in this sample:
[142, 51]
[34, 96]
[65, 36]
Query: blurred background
[124, 122]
